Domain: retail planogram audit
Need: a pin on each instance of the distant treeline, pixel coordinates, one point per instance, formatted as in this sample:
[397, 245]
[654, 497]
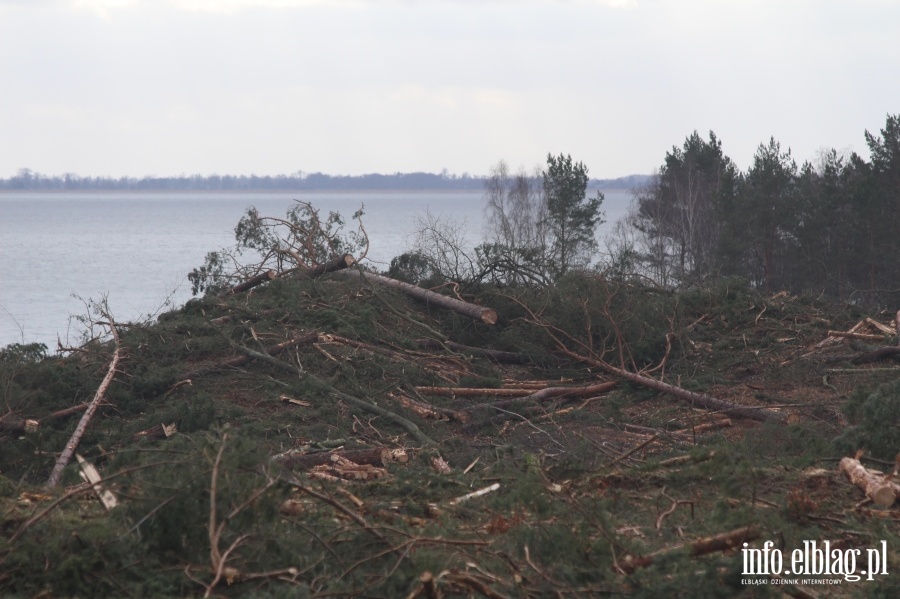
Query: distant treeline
[828, 227]
[28, 180]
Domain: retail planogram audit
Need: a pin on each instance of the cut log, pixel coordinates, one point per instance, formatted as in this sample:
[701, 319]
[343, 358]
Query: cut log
[160, 431]
[75, 439]
[482, 313]
[31, 425]
[18, 426]
[880, 489]
[339, 263]
[882, 353]
[263, 277]
[722, 542]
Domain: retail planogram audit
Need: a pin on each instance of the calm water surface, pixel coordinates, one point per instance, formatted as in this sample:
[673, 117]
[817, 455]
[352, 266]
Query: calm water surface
[137, 248]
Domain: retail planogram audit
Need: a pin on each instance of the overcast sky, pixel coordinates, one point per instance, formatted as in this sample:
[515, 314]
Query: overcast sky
[165, 87]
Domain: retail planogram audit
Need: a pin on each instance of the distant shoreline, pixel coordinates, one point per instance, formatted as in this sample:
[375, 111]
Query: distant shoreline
[27, 180]
[405, 191]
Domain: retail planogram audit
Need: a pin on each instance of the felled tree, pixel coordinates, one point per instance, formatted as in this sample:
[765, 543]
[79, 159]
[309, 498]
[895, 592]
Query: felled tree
[303, 240]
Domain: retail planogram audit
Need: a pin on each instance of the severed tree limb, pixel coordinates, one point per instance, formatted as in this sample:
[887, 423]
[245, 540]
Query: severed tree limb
[472, 391]
[482, 313]
[701, 400]
[240, 360]
[696, 399]
[548, 393]
[499, 356]
[69, 449]
[355, 401]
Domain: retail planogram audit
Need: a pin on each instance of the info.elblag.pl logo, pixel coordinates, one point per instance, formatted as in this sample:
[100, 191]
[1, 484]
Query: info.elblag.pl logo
[814, 559]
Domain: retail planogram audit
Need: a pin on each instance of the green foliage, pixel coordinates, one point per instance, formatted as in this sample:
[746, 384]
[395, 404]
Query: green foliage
[877, 417]
[18, 353]
[303, 239]
[572, 218]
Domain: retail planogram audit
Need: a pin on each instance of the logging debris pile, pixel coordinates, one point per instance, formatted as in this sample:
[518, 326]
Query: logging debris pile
[333, 436]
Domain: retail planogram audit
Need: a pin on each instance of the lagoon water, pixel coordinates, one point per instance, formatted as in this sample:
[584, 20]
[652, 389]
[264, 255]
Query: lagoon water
[58, 250]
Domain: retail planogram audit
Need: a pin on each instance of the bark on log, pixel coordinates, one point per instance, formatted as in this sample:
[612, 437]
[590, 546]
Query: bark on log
[549, 393]
[69, 449]
[722, 542]
[424, 410]
[66, 412]
[863, 336]
[883, 492]
[160, 431]
[877, 355]
[263, 277]
[472, 391]
[30, 425]
[482, 313]
[701, 400]
[339, 263]
[18, 426]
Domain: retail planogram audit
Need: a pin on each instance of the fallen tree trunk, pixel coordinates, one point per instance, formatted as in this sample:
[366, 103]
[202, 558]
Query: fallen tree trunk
[18, 426]
[701, 400]
[244, 358]
[722, 542]
[482, 313]
[263, 277]
[317, 271]
[339, 263]
[355, 401]
[499, 356]
[472, 391]
[69, 449]
[30, 425]
[877, 355]
[880, 489]
[548, 393]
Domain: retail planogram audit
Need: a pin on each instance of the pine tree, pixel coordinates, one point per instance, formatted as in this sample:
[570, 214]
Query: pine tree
[572, 218]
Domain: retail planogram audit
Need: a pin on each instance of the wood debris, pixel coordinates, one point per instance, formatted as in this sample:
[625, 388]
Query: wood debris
[90, 475]
[160, 431]
[341, 467]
